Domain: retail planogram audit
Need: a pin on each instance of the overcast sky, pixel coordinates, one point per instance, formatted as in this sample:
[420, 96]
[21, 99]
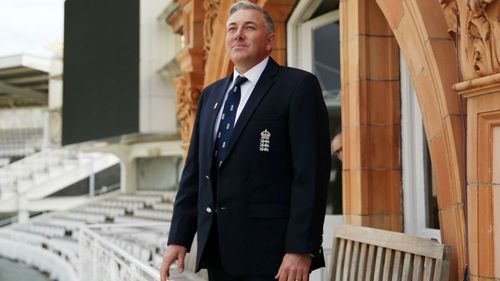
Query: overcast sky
[27, 26]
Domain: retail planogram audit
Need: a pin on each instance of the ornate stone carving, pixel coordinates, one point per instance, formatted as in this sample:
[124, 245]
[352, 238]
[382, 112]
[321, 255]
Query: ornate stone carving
[211, 11]
[450, 15]
[188, 21]
[186, 101]
[480, 35]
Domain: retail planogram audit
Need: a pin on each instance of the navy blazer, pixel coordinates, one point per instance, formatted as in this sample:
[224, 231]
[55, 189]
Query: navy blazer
[268, 202]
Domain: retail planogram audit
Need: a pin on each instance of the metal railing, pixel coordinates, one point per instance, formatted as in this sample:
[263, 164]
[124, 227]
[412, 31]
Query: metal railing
[102, 260]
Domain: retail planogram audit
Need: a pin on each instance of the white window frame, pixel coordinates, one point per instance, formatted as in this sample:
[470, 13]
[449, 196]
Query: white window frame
[412, 150]
[302, 12]
[299, 32]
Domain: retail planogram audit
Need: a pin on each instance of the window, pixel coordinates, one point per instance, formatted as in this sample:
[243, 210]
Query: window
[419, 189]
[314, 45]
[326, 61]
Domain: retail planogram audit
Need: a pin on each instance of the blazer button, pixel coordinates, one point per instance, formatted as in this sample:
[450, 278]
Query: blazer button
[208, 210]
[207, 177]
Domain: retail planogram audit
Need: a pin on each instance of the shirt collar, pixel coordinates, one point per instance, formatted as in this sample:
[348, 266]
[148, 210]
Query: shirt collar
[253, 74]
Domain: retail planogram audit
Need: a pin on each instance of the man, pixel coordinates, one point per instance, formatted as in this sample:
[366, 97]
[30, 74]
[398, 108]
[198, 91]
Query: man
[254, 184]
[337, 146]
[335, 188]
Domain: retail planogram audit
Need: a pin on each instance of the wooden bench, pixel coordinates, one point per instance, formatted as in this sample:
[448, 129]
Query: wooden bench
[366, 254]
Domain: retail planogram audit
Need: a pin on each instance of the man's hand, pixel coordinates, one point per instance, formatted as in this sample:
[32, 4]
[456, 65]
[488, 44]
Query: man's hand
[172, 253]
[294, 267]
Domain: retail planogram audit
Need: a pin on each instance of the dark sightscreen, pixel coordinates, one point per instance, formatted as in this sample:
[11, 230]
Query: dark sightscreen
[101, 69]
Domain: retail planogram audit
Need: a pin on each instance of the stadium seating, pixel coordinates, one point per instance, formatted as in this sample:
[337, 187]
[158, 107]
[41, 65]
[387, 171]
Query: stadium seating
[20, 142]
[137, 223]
[49, 171]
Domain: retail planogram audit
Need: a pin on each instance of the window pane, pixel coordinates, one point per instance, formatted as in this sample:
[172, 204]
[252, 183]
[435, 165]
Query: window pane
[325, 7]
[431, 209]
[326, 64]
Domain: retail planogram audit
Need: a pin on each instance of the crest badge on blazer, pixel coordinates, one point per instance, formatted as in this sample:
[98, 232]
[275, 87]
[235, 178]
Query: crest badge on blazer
[265, 141]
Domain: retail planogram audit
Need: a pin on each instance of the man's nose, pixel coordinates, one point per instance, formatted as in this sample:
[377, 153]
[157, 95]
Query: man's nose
[238, 34]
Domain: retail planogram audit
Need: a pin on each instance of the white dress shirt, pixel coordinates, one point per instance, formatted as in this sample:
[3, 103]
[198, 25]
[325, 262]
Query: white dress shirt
[253, 75]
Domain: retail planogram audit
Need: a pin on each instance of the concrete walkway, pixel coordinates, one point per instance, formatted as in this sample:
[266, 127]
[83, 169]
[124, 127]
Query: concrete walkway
[13, 271]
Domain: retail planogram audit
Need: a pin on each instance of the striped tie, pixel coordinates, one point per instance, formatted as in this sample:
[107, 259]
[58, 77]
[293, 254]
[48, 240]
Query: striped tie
[227, 119]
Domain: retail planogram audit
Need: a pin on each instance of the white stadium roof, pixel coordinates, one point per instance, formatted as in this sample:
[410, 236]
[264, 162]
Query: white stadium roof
[24, 80]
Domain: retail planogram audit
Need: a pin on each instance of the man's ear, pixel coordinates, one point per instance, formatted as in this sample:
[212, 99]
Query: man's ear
[270, 41]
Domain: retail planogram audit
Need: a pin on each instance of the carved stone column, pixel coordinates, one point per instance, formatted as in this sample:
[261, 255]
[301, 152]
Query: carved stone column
[479, 52]
[188, 20]
[483, 175]
[480, 67]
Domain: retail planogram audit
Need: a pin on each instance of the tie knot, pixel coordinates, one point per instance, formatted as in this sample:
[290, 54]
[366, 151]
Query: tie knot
[239, 80]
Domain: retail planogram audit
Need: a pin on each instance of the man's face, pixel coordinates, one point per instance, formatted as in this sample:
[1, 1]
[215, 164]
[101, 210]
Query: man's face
[247, 41]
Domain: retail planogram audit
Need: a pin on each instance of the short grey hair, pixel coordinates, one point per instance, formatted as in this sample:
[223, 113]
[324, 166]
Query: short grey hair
[245, 5]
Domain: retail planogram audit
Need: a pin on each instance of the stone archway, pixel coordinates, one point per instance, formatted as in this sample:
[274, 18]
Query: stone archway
[421, 32]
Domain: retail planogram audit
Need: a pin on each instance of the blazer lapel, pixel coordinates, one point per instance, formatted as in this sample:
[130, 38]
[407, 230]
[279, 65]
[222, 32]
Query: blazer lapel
[263, 85]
